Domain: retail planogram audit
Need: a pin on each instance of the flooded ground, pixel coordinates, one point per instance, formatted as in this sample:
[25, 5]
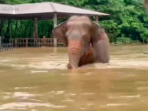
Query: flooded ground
[36, 79]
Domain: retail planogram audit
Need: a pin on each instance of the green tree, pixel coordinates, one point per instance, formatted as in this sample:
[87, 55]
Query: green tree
[127, 21]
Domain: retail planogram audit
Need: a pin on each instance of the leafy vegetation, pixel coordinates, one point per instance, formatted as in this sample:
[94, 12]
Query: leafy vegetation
[128, 20]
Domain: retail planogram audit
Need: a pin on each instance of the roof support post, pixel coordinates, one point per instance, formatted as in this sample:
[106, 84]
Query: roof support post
[55, 24]
[1, 26]
[96, 19]
[36, 30]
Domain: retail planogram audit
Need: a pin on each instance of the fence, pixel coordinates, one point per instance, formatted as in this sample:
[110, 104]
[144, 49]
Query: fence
[9, 44]
[5, 47]
[32, 42]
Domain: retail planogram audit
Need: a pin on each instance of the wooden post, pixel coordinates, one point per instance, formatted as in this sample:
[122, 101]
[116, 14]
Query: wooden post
[16, 42]
[36, 30]
[1, 25]
[96, 19]
[26, 42]
[0, 40]
[55, 24]
[0, 44]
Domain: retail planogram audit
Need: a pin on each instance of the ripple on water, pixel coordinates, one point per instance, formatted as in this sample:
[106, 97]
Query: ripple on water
[47, 65]
[24, 94]
[20, 105]
[2, 60]
[124, 97]
[141, 82]
[142, 88]
[68, 100]
[17, 88]
[19, 95]
[63, 64]
[59, 92]
[36, 71]
[87, 93]
[116, 104]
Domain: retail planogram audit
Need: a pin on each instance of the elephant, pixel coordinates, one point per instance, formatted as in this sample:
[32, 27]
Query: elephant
[86, 41]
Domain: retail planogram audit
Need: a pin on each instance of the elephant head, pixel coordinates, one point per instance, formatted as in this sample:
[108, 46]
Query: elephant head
[78, 33]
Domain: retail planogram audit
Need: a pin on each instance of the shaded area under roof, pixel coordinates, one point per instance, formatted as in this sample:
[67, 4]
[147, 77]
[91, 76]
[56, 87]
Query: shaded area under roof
[44, 10]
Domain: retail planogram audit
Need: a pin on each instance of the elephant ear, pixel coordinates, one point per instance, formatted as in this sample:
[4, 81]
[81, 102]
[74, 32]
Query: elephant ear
[100, 43]
[59, 33]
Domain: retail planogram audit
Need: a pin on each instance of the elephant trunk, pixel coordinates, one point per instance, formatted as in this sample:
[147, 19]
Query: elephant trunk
[75, 52]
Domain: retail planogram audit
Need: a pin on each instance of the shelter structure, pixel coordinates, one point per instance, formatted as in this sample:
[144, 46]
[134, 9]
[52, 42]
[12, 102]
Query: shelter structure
[146, 4]
[44, 10]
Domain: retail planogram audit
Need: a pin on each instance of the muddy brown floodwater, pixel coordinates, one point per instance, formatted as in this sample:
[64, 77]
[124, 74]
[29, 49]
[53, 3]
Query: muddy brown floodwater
[36, 79]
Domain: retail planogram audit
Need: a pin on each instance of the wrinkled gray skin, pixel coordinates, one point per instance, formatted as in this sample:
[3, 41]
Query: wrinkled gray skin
[78, 33]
